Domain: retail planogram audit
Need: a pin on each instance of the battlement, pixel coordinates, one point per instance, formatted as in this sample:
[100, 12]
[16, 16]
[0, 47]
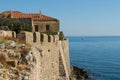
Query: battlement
[36, 37]
[10, 34]
[31, 37]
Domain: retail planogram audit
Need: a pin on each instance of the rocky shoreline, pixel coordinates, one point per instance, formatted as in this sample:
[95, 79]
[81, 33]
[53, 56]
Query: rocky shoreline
[79, 73]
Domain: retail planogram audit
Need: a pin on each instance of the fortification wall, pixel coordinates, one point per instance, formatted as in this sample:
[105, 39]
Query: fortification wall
[65, 48]
[10, 34]
[47, 56]
[26, 37]
[52, 56]
[64, 53]
[36, 37]
[31, 37]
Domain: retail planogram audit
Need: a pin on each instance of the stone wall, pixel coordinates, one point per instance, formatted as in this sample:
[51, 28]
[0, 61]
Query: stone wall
[36, 37]
[65, 47]
[51, 61]
[26, 37]
[47, 67]
[51, 54]
[53, 25]
[30, 37]
[10, 34]
[64, 53]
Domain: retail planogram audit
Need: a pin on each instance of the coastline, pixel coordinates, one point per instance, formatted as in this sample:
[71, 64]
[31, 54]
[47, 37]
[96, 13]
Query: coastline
[79, 73]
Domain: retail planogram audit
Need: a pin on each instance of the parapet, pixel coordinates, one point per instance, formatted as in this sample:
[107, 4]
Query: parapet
[26, 37]
[10, 34]
[36, 37]
[30, 37]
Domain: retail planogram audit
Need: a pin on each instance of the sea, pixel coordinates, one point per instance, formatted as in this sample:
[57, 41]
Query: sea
[99, 55]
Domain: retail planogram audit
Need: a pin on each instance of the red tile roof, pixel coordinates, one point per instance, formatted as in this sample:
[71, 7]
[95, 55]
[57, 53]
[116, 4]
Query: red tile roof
[35, 17]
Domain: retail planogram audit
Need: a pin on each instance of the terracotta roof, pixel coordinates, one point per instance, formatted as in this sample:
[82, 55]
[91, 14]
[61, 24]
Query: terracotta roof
[35, 17]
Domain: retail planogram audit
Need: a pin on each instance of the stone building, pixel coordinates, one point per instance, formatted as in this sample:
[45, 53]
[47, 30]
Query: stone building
[38, 21]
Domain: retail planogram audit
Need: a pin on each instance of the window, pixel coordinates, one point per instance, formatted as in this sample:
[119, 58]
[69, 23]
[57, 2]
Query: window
[36, 28]
[47, 27]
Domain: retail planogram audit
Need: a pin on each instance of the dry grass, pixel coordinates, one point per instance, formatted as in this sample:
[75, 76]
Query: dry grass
[4, 40]
[10, 38]
[1, 38]
[20, 41]
[8, 47]
[7, 38]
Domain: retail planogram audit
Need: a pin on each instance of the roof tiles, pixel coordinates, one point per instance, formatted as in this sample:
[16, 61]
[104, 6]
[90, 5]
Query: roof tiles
[35, 17]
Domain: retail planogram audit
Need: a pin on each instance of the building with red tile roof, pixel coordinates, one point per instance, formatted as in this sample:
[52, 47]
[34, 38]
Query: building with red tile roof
[38, 21]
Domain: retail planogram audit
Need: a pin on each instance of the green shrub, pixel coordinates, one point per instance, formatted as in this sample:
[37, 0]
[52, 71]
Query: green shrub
[61, 36]
[50, 32]
[16, 25]
[2, 41]
[27, 28]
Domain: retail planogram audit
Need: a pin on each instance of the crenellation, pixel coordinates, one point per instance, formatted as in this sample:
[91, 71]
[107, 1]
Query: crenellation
[45, 38]
[32, 37]
[56, 38]
[51, 38]
[36, 37]
[13, 34]
[10, 34]
[25, 36]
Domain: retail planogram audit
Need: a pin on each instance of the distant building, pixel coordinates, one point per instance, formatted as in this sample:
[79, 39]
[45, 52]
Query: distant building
[38, 21]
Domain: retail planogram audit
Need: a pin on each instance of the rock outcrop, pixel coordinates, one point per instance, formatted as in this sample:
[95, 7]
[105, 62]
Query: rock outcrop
[16, 60]
[79, 73]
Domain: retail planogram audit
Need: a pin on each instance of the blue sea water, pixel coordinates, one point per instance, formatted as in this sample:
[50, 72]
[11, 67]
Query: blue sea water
[99, 55]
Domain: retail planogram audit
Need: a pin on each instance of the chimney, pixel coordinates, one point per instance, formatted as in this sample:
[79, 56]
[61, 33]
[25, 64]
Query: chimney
[40, 12]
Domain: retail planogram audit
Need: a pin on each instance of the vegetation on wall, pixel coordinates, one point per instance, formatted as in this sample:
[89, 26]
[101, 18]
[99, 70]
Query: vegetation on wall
[15, 25]
[61, 36]
[50, 32]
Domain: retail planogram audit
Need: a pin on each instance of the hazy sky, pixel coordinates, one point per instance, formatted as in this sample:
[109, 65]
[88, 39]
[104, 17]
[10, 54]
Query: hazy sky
[77, 17]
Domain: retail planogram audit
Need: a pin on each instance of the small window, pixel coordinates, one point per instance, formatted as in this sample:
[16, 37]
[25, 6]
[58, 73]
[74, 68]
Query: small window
[47, 27]
[36, 28]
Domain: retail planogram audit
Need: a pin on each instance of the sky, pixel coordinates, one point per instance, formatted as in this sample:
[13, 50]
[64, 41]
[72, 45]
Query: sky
[77, 17]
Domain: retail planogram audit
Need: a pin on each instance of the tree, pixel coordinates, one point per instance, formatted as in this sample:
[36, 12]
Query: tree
[16, 25]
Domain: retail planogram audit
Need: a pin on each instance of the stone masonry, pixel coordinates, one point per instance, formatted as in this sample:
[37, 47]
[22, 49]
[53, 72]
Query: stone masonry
[50, 53]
